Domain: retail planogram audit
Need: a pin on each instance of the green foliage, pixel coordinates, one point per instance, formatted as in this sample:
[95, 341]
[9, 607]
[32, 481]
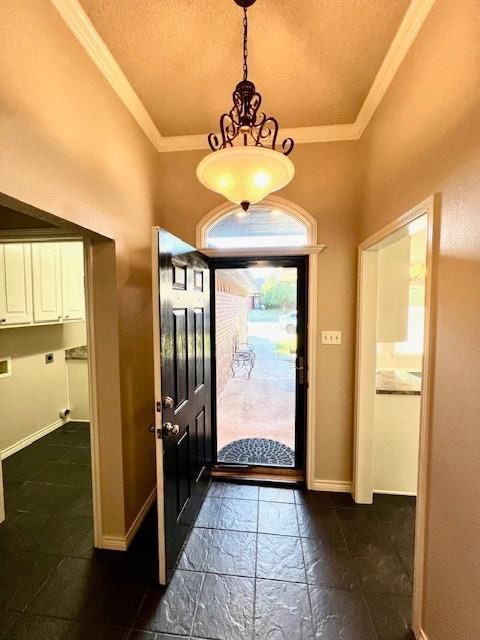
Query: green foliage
[279, 295]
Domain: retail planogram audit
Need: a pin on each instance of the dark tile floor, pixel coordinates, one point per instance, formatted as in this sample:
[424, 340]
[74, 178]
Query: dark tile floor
[263, 564]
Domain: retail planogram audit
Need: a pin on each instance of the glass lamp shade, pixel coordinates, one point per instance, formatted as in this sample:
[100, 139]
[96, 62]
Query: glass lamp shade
[245, 175]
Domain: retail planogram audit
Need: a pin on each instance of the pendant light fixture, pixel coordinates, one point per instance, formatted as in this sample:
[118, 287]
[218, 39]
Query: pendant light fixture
[245, 165]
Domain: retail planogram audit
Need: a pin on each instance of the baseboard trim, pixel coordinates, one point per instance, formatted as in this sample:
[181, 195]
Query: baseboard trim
[72, 419]
[337, 486]
[21, 444]
[121, 543]
[396, 493]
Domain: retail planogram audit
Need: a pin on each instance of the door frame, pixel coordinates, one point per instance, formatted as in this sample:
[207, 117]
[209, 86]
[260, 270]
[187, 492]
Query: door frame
[365, 374]
[311, 253]
[109, 527]
[301, 264]
[57, 235]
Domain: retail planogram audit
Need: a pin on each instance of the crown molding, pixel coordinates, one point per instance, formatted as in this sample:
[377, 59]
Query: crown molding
[82, 28]
[411, 24]
[301, 135]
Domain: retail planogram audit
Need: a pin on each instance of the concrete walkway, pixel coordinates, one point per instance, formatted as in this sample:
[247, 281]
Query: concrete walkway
[264, 405]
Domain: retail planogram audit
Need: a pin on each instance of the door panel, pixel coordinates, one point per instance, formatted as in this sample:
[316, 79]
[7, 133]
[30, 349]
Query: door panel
[182, 390]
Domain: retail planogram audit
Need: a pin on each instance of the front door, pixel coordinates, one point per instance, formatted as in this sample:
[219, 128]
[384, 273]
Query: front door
[181, 292]
[260, 335]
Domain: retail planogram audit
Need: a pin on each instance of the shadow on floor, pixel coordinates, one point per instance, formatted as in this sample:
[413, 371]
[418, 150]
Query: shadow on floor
[263, 563]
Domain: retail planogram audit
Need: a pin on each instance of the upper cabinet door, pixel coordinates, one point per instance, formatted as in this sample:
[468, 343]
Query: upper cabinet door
[15, 284]
[73, 291]
[47, 283]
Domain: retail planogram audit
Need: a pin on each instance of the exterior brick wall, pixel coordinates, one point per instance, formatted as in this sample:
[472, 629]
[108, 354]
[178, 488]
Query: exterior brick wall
[231, 309]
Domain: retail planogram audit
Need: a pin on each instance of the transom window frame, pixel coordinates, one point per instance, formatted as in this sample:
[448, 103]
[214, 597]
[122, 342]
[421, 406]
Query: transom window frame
[273, 202]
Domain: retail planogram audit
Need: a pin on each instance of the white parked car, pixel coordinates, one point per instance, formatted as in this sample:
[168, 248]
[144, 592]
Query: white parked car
[288, 322]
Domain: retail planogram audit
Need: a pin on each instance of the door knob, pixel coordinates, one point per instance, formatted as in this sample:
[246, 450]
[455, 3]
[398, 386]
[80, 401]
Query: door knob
[167, 402]
[168, 427]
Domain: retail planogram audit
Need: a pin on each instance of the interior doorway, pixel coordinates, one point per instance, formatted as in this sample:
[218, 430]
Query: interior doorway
[393, 383]
[260, 309]
[44, 392]
[58, 296]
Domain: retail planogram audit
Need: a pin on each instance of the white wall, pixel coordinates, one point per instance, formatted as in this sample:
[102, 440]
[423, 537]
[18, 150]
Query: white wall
[32, 397]
[396, 417]
[78, 402]
[396, 442]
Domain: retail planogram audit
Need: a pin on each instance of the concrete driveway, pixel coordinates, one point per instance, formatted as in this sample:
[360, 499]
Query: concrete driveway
[264, 405]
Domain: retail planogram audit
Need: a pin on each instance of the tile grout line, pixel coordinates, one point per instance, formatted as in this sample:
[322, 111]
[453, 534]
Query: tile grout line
[364, 598]
[204, 572]
[44, 583]
[132, 626]
[305, 569]
[256, 561]
[394, 549]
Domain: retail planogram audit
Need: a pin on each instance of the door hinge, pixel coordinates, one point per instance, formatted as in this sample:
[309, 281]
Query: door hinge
[158, 407]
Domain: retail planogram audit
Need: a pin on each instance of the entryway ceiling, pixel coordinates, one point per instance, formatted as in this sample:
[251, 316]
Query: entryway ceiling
[313, 61]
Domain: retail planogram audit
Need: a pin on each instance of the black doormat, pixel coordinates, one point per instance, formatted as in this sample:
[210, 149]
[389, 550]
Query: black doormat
[257, 451]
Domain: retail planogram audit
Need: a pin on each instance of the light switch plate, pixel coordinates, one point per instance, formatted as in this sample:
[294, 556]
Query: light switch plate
[331, 337]
[49, 358]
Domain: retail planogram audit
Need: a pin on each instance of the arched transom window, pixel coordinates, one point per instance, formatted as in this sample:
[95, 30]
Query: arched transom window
[264, 225]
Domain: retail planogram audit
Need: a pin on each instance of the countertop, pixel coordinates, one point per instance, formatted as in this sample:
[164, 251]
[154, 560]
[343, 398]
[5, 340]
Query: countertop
[77, 353]
[399, 382]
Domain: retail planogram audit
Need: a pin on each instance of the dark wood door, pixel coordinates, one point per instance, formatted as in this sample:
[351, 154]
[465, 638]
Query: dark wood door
[183, 393]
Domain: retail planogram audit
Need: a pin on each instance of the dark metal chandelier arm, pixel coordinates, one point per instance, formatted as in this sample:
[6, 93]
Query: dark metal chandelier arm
[243, 119]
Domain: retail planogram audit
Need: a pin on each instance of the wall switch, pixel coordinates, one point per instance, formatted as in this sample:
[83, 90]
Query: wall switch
[331, 337]
[49, 358]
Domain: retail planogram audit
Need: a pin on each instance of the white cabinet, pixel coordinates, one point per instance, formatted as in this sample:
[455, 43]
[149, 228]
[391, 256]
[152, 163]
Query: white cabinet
[47, 282]
[73, 291]
[41, 283]
[15, 284]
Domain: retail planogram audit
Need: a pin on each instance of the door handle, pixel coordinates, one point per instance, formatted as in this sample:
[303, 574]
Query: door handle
[168, 428]
[300, 368]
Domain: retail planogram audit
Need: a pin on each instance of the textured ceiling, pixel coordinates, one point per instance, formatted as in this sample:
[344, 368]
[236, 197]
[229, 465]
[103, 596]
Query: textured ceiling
[313, 60]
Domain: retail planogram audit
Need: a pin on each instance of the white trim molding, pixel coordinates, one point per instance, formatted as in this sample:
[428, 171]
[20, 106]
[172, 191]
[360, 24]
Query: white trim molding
[365, 377]
[82, 28]
[274, 202]
[25, 442]
[336, 486]
[121, 543]
[422, 635]
[312, 252]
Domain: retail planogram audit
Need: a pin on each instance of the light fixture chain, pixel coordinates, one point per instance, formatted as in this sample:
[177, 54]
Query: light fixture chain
[245, 43]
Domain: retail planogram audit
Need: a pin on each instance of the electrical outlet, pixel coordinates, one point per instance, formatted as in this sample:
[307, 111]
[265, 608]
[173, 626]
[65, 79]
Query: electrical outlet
[331, 337]
[49, 358]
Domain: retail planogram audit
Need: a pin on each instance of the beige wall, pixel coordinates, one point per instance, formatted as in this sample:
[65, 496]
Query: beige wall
[425, 138]
[325, 185]
[70, 147]
[33, 396]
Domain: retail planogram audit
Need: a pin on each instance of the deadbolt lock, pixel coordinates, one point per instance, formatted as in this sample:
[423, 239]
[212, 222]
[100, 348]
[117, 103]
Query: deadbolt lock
[167, 402]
